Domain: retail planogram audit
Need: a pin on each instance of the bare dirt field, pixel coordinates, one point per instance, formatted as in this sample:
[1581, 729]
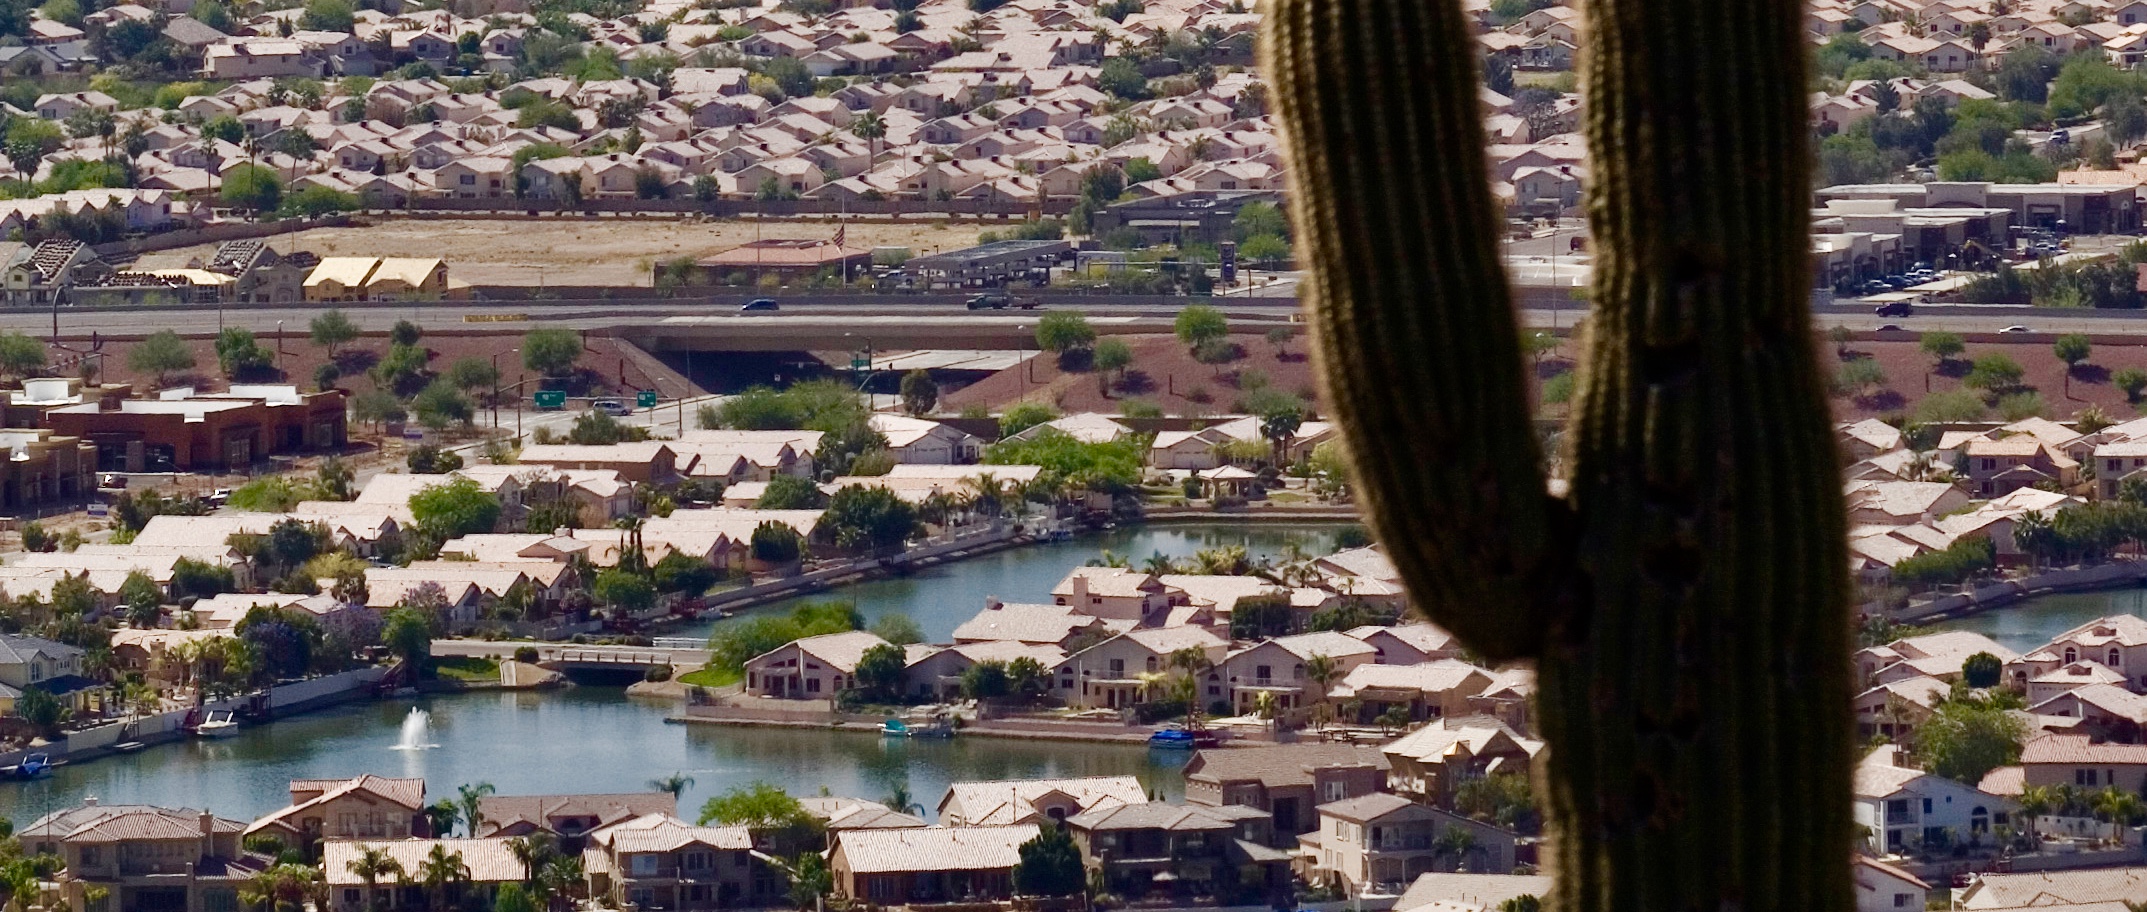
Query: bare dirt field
[615, 252]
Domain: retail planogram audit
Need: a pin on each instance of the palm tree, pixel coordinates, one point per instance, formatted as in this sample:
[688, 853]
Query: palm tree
[440, 872]
[1322, 671]
[1457, 842]
[871, 129]
[676, 784]
[990, 492]
[2118, 807]
[283, 888]
[562, 878]
[900, 801]
[469, 797]
[533, 851]
[372, 864]
[1158, 564]
[440, 817]
[2035, 801]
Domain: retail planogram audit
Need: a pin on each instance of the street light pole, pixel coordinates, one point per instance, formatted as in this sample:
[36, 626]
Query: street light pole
[495, 394]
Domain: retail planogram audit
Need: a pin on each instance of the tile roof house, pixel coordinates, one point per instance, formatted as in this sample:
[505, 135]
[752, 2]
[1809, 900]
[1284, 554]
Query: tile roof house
[811, 668]
[1015, 801]
[1108, 673]
[1287, 781]
[1440, 892]
[1434, 760]
[1384, 841]
[367, 807]
[491, 863]
[890, 867]
[1905, 809]
[657, 861]
[141, 855]
[567, 817]
[2051, 888]
[1055, 625]
[1427, 690]
[1157, 851]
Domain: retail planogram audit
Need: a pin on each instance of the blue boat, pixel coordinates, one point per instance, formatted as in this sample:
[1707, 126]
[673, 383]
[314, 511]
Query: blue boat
[894, 728]
[1183, 739]
[31, 767]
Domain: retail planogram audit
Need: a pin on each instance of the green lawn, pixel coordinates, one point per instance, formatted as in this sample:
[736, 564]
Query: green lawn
[474, 669]
[710, 676]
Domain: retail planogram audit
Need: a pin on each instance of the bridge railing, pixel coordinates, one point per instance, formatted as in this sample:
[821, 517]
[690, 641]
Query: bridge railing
[678, 643]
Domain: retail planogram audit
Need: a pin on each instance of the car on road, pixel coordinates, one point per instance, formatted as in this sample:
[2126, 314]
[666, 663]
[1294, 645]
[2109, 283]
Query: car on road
[112, 481]
[219, 497]
[1893, 309]
[760, 305]
[616, 408]
[991, 302]
[2015, 328]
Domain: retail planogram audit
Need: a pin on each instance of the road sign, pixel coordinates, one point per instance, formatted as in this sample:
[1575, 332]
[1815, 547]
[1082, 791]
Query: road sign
[860, 363]
[645, 399]
[551, 399]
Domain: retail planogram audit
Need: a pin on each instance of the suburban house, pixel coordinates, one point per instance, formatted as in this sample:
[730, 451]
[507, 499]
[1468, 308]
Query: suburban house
[645, 462]
[1428, 690]
[55, 668]
[1407, 644]
[1881, 887]
[491, 863]
[1385, 841]
[2075, 760]
[1011, 801]
[952, 863]
[1905, 809]
[1113, 593]
[1281, 667]
[1174, 851]
[1936, 655]
[1036, 625]
[1433, 761]
[2117, 642]
[658, 861]
[811, 668]
[1287, 781]
[2076, 890]
[1108, 674]
[567, 818]
[367, 807]
[144, 857]
[921, 442]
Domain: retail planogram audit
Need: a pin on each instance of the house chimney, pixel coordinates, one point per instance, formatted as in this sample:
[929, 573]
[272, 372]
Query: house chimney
[992, 603]
[89, 801]
[1080, 589]
[208, 825]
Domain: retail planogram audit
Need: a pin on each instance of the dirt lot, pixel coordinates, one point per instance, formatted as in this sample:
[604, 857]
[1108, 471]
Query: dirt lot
[585, 251]
[1163, 372]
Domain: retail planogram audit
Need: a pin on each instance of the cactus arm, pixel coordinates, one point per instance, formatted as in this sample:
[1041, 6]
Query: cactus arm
[1415, 329]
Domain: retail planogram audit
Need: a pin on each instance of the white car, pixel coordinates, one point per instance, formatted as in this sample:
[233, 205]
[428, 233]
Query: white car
[2015, 328]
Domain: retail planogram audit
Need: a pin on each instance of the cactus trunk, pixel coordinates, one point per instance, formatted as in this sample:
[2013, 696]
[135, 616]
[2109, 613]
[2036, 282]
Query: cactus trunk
[1687, 603]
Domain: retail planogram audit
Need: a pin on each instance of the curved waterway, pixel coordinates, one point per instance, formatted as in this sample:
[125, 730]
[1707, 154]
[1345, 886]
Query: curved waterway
[595, 739]
[2032, 623]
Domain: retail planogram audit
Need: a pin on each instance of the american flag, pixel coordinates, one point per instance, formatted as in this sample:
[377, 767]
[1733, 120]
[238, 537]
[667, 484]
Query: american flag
[840, 232]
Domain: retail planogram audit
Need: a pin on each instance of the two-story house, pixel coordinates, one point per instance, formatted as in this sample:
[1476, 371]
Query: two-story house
[661, 862]
[1282, 667]
[1108, 674]
[2000, 467]
[1385, 841]
[1426, 690]
[491, 864]
[55, 668]
[567, 818]
[138, 857]
[1287, 781]
[906, 865]
[367, 807]
[1905, 809]
[1174, 852]
[2118, 642]
[1113, 593]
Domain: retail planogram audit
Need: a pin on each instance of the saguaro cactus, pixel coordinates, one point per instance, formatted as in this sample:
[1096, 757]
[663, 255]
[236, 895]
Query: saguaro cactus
[1686, 602]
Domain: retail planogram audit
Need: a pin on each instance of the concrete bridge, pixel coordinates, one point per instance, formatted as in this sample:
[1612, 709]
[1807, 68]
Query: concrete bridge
[677, 652]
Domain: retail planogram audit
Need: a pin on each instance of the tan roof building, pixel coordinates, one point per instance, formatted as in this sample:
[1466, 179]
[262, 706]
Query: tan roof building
[1012, 801]
[922, 864]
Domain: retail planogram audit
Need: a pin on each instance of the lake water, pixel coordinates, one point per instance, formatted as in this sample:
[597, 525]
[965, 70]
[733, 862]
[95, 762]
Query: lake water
[595, 739]
[2033, 623]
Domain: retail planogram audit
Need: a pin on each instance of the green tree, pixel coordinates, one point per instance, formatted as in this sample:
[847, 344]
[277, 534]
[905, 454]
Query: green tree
[1200, 326]
[20, 355]
[683, 573]
[1982, 670]
[1064, 330]
[40, 710]
[1995, 373]
[161, 353]
[28, 140]
[879, 671]
[332, 330]
[897, 628]
[143, 599]
[776, 543]
[454, 509]
[551, 352]
[1023, 416]
[624, 590]
[440, 404]
[985, 680]
[2132, 380]
[473, 373]
[405, 333]
[254, 188]
[919, 393]
[512, 898]
[863, 519]
[328, 15]
[1122, 77]
[1050, 865]
[1967, 738]
[408, 633]
[239, 354]
[1942, 347]
[790, 492]
[1113, 355]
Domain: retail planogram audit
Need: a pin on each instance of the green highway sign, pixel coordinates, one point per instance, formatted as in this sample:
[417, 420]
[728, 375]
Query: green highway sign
[645, 399]
[858, 364]
[551, 399]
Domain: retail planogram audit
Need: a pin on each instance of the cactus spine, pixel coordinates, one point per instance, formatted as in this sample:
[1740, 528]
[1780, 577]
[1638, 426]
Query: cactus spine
[1687, 602]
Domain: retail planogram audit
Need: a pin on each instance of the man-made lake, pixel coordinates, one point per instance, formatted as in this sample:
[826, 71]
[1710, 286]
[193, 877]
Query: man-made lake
[2033, 623]
[595, 739]
[941, 598]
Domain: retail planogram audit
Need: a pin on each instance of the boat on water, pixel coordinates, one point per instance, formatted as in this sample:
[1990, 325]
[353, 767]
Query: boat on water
[936, 727]
[31, 767]
[1183, 739]
[220, 723]
[128, 747]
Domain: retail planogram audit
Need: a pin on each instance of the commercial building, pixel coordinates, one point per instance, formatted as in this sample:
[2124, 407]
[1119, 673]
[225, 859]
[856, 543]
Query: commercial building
[990, 265]
[785, 258]
[185, 431]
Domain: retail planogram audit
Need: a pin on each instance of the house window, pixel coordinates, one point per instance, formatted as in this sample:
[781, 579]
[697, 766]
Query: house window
[1262, 672]
[1118, 668]
[1926, 805]
[2115, 659]
[2071, 656]
[468, 179]
[1901, 900]
[642, 865]
[350, 897]
[812, 685]
[2083, 777]
[1151, 663]
[89, 857]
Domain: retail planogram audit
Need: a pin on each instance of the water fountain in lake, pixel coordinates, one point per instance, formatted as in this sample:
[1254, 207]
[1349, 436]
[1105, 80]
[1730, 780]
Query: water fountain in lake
[417, 731]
